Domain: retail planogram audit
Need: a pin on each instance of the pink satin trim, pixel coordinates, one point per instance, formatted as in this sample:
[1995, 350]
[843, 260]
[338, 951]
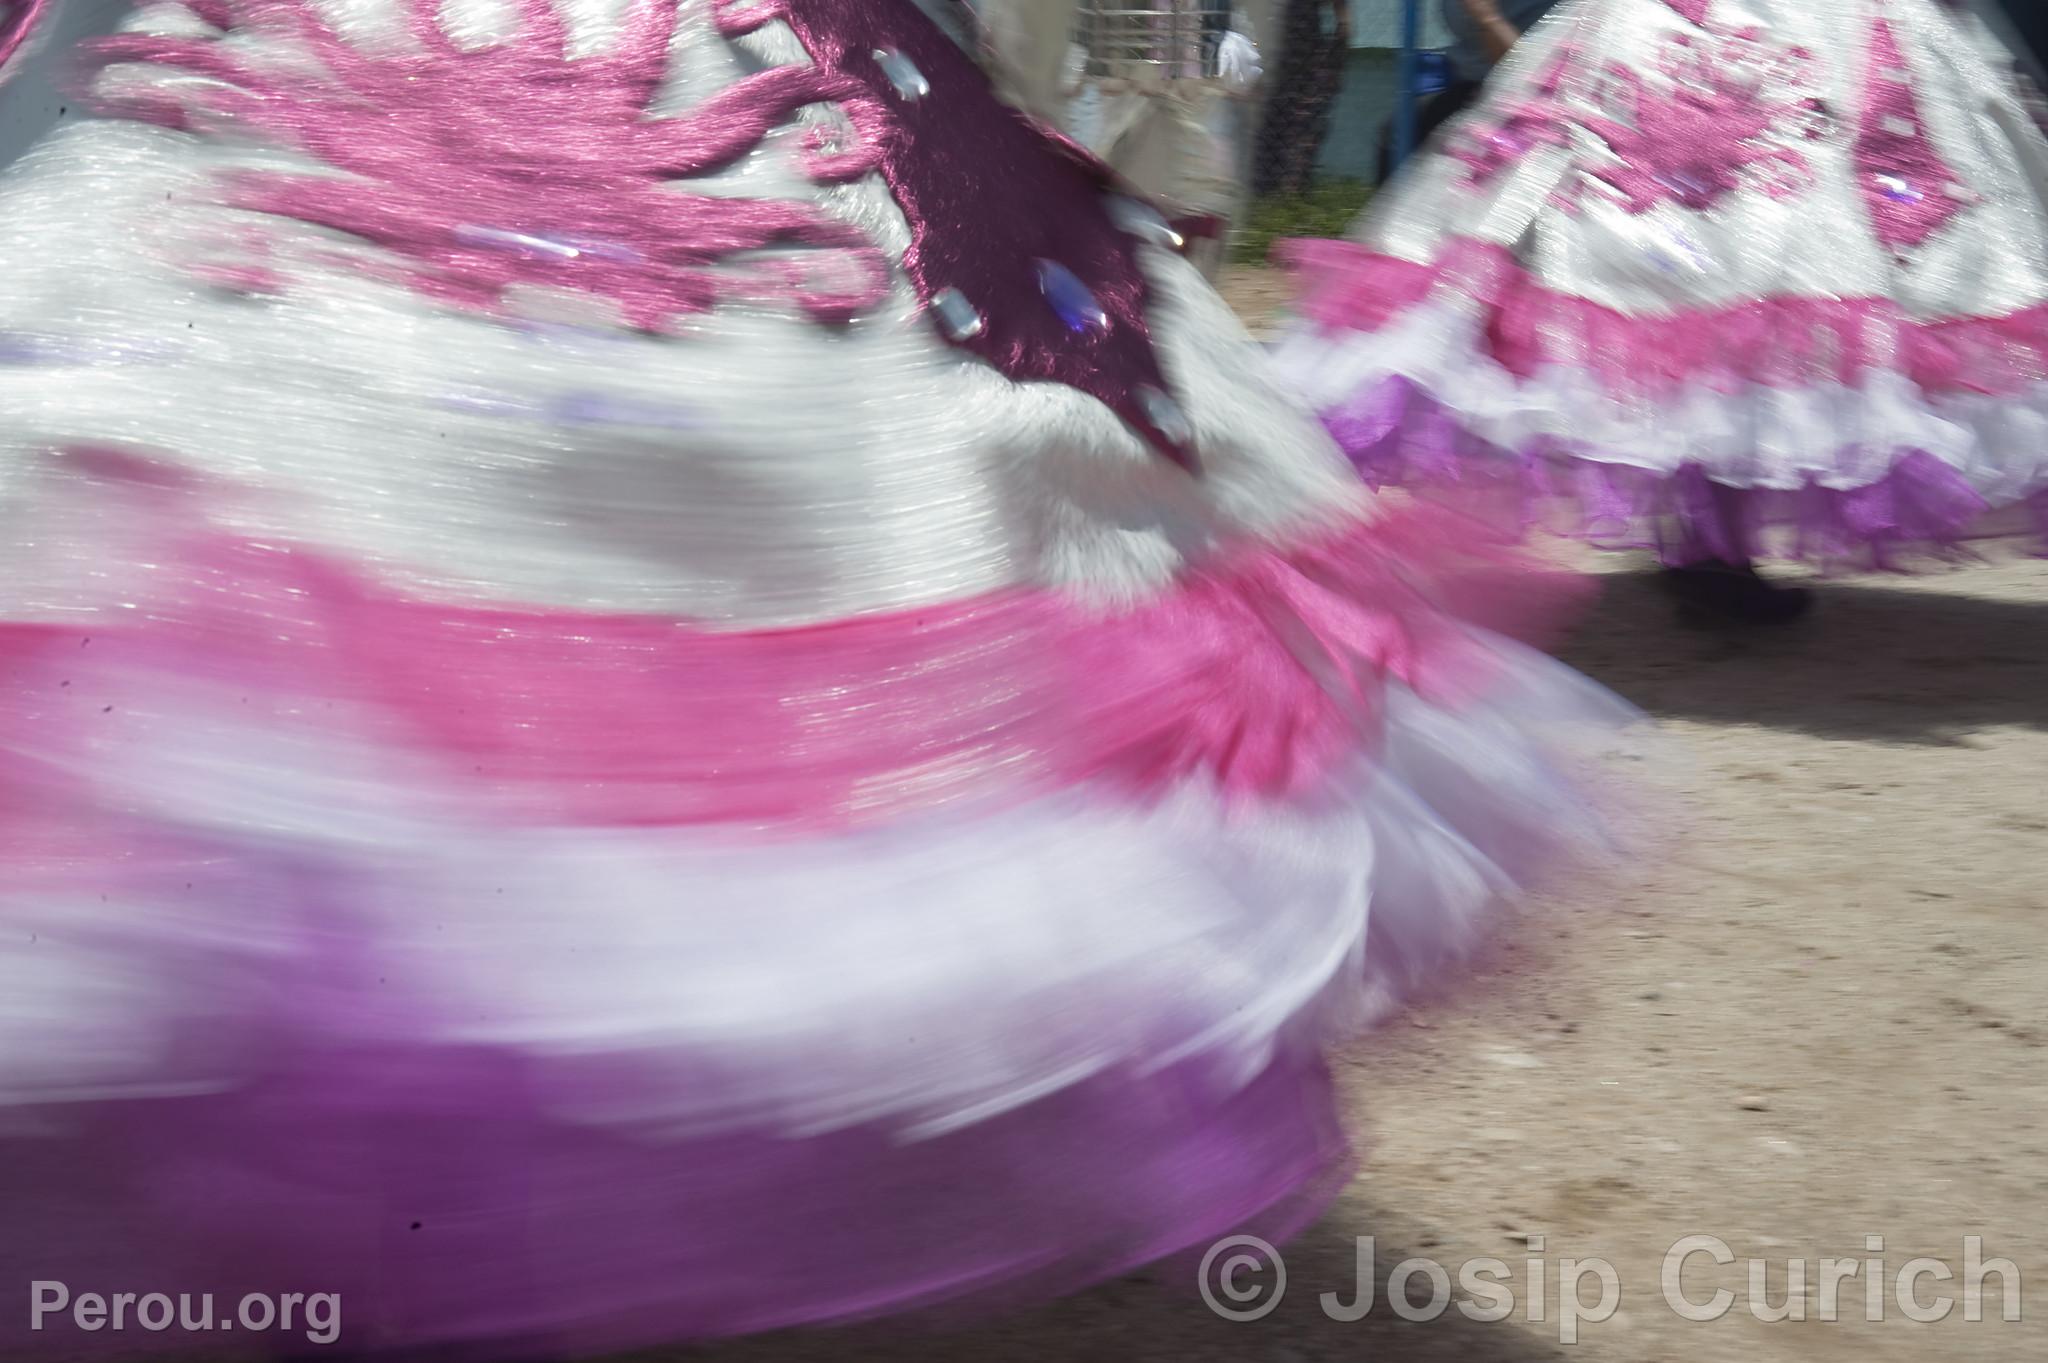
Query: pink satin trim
[634, 719]
[17, 20]
[1783, 342]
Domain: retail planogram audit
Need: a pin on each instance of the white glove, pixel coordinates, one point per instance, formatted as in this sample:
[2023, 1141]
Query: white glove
[1237, 61]
[1074, 74]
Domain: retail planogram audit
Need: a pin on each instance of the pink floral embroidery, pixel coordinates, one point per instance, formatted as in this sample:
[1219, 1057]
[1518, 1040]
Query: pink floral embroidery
[1490, 146]
[1719, 117]
[1911, 192]
[475, 171]
[1721, 113]
[515, 164]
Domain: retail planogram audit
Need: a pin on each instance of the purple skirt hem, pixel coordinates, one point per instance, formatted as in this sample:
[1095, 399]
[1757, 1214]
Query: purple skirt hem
[447, 1210]
[1403, 437]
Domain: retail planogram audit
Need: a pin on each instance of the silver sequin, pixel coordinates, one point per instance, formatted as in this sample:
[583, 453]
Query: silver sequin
[958, 318]
[1144, 222]
[902, 73]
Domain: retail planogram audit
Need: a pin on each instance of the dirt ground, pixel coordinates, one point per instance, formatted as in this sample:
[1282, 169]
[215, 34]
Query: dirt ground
[1820, 1017]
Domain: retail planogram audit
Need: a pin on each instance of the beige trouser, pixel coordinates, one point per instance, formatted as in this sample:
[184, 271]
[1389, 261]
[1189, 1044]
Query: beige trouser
[1181, 142]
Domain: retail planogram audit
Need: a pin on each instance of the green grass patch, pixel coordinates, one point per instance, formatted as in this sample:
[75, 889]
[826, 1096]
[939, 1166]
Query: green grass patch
[1327, 210]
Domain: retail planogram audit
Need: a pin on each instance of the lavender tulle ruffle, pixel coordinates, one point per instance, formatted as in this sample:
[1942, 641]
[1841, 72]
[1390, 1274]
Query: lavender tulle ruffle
[271, 1066]
[444, 1203]
[342, 1018]
[1834, 431]
[1399, 435]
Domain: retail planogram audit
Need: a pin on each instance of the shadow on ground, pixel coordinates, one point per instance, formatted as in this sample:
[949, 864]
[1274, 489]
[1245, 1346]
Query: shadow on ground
[1158, 1315]
[1874, 661]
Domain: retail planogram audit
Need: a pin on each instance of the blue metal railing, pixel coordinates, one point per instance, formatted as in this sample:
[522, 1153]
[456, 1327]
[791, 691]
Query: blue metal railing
[1411, 72]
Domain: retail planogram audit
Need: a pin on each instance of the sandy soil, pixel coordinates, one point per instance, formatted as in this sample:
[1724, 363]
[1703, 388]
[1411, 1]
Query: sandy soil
[1819, 1017]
